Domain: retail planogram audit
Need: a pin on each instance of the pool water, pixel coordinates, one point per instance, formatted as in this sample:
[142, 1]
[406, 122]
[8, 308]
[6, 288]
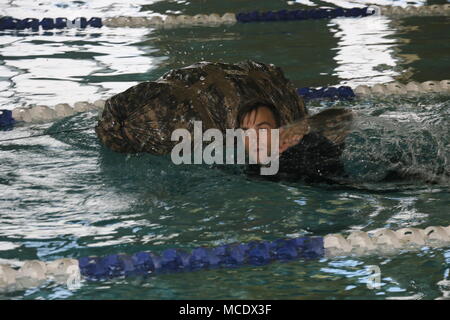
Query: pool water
[65, 195]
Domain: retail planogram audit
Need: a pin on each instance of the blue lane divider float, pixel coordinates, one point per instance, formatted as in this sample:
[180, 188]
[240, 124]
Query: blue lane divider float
[288, 15]
[6, 120]
[342, 92]
[224, 256]
[7, 23]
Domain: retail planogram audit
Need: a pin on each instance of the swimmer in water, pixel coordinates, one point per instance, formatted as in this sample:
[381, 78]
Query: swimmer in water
[334, 145]
[309, 148]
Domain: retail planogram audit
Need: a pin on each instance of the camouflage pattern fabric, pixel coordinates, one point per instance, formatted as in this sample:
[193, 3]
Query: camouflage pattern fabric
[142, 118]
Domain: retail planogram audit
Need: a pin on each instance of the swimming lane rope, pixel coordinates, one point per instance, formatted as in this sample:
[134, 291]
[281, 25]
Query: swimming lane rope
[32, 273]
[214, 19]
[42, 113]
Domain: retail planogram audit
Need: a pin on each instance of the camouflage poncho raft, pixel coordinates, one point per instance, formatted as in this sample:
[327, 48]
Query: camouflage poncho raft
[142, 118]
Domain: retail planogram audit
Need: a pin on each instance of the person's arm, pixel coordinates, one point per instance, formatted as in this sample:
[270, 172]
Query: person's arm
[334, 124]
[291, 134]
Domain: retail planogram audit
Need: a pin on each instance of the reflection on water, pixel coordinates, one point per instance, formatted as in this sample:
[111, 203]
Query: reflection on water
[72, 9]
[419, 45]
[363, 46]
[50, 67]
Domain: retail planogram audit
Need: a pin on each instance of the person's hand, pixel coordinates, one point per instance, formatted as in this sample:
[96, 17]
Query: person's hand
[291, 134]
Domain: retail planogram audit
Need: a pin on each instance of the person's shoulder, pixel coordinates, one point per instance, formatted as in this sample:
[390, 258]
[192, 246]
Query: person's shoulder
[312, 141]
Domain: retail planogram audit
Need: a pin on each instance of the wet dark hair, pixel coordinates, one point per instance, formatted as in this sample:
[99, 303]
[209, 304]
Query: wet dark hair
[254, 105]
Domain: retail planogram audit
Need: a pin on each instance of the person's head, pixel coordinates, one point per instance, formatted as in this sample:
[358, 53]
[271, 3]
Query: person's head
[262, 116]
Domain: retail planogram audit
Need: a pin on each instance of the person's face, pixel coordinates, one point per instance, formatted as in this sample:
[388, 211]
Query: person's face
[261, 120]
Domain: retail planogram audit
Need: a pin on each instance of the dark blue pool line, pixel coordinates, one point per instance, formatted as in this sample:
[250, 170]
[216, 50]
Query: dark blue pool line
[289, 15]
[7, 122]
[224, 256]
[10, 23]
[343, 92]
